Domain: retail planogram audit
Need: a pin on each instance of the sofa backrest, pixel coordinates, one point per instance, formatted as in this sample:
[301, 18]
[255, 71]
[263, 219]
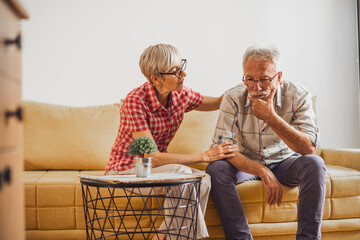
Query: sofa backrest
[68, 138]
[195, 134]
[80, 138]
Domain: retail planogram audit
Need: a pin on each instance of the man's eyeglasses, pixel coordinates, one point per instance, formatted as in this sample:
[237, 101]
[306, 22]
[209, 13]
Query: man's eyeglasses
[178, 72]
[263, 82]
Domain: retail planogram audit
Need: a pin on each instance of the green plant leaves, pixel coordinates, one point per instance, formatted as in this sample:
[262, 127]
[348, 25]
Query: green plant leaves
[142, 145]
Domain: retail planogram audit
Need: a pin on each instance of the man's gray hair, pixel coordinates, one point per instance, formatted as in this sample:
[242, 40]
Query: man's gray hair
[263, 53]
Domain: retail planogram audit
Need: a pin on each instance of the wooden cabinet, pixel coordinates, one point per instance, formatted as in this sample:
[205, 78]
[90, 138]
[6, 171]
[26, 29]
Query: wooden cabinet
[12, 221]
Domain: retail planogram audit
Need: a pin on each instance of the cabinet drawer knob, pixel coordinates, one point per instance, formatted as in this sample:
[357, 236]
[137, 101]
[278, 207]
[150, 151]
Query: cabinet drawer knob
[17, 113]
[5, 176]
[16, 41]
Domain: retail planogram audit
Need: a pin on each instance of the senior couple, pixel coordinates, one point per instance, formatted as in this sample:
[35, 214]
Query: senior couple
[266, 129]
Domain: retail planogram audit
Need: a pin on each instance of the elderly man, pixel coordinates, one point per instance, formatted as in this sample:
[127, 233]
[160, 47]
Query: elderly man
[271, 122]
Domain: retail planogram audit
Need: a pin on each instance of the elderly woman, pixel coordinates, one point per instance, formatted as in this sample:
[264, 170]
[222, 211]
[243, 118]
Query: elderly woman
[156, 109]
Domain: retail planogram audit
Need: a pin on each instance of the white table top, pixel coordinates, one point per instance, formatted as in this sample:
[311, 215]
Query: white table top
[154, 177]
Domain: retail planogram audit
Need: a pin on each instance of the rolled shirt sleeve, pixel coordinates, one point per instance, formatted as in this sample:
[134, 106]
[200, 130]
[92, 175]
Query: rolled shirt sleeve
[304, 117]
[195, 99]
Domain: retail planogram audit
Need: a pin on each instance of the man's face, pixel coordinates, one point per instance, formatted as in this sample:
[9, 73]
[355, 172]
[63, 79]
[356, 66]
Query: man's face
[260, 77]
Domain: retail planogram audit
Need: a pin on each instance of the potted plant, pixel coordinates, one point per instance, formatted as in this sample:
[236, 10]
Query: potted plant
[139, 147]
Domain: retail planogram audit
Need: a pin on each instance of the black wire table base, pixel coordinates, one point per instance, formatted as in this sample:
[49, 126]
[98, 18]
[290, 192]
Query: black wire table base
[141, 210]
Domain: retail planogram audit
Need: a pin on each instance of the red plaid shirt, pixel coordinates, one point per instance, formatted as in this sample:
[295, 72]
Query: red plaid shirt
[140, 111]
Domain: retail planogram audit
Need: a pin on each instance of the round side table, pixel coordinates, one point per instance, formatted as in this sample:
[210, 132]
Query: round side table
[126, 207]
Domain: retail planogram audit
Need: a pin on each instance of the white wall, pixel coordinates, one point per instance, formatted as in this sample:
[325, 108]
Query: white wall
[86, 52]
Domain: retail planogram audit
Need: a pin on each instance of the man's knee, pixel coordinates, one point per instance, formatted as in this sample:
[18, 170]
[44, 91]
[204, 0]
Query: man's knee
[314, 164]
[314, 160]
[221, 170]
[218, 166]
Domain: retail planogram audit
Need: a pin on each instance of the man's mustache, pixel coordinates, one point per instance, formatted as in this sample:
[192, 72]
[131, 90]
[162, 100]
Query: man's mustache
[264, 93]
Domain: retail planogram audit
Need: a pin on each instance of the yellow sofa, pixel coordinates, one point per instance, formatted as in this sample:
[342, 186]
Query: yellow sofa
[62, 142]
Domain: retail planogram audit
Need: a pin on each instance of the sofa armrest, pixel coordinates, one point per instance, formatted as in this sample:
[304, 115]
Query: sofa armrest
[349, 158]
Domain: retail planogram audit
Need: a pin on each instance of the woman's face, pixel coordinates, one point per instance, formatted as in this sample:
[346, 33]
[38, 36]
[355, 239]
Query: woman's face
[174, 81]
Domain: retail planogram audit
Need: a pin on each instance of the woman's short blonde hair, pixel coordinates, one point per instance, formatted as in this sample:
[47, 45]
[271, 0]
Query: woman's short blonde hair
[160, 58]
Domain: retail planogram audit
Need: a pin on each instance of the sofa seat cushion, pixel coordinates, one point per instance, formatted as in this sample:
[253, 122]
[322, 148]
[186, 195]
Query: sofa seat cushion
[54, 200]
[345, 192]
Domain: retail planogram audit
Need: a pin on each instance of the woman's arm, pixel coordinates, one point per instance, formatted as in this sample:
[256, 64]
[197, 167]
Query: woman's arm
[224, 150]
[210, 103]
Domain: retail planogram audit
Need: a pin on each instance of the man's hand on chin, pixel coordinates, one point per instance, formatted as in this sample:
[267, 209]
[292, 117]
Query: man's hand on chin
[263, 108]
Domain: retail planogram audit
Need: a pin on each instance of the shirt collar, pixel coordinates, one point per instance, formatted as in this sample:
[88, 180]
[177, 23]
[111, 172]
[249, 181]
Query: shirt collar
[174, 99]
[153, 102]
[247, 100]
[277, 97]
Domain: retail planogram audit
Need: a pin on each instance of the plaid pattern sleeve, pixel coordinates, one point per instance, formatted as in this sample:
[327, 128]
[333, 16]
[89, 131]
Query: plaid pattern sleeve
[304, 117]
[226, 126]
[195, 99]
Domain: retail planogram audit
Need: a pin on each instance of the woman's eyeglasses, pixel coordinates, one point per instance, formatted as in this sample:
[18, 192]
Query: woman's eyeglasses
[178, 72]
